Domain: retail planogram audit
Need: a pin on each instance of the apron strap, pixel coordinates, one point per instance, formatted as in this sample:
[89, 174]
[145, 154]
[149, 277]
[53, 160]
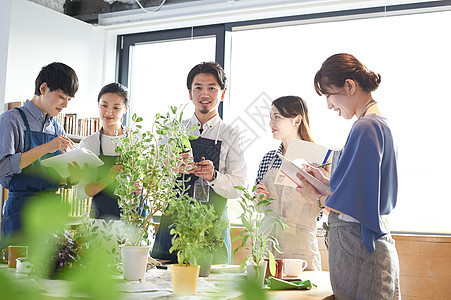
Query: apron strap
[100, 138]
[24, 117]
[100, 141]
[217, 135]
[55, 124]
[272, 162]
[27, 125]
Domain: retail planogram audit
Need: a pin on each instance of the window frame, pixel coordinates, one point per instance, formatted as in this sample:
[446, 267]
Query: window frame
[126, 42]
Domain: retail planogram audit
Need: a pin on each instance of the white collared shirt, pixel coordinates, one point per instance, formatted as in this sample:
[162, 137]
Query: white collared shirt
[232, 168]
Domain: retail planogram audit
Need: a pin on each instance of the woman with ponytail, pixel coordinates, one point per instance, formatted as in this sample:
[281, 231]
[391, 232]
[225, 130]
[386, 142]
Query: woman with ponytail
[290, 120]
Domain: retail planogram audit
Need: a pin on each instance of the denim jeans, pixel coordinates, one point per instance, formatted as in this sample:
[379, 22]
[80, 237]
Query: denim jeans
[354, 272]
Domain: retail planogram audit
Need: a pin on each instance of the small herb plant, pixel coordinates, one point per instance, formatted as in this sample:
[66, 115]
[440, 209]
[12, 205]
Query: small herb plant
[195, 228]
[150, 158]
[213, 236]
[259, 223]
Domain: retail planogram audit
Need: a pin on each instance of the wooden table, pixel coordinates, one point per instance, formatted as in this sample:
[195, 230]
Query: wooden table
[158, 285]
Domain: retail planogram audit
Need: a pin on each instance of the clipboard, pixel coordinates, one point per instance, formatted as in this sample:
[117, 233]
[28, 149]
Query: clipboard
[309, 153]
[82, 156]
[289, 169]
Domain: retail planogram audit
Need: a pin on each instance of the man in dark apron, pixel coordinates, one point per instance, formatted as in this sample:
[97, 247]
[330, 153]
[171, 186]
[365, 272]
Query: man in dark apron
[30, 134]
[217, 153]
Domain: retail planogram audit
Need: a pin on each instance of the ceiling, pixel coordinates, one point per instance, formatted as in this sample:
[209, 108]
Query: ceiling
[89, 10]
[124, 12]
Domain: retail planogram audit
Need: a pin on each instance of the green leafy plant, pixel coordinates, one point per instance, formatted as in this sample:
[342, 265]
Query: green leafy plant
[213, 236]
[150, 158]
[91, 277]
[259, 223]
[195, 228]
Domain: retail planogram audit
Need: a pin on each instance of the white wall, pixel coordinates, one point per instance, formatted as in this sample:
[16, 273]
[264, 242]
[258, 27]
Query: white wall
[5, 13]
[39, 36]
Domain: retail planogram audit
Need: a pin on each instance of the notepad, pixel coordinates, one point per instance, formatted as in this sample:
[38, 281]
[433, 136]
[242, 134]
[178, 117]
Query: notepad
[310, 152]
[289, 169]
[83, 156]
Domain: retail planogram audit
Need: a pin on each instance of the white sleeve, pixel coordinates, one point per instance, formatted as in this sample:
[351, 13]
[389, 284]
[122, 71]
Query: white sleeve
[88, 177]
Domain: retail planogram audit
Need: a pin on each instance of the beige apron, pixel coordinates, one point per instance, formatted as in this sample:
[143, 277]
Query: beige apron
[298, 241]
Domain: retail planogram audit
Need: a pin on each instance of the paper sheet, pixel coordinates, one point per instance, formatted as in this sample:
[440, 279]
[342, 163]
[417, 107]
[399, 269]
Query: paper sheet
[82, 156]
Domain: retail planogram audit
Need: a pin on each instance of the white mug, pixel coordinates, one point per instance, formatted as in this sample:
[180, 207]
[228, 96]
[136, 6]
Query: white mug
[23, 265]
[294, 266]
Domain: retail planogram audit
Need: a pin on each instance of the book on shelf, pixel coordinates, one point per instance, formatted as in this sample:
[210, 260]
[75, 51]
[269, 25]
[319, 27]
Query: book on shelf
[88, 126]
[307, 152]
[78, 127]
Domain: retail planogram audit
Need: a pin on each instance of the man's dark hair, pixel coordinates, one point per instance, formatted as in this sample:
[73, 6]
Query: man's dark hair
[209, 68]
[114, 88]
[58, 76]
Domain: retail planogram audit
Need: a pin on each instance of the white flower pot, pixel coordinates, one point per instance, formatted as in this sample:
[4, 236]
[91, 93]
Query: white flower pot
[256, 272]
[134, 262]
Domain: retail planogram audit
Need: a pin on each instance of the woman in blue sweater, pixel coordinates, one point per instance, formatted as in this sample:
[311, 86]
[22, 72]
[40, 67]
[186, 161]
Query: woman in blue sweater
[363, 260]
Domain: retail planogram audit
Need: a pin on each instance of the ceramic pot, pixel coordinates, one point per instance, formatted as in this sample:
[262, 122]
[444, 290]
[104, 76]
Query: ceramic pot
[184, 279]
[134, 262]
[256, 272]
[205, 264]
[23, 265]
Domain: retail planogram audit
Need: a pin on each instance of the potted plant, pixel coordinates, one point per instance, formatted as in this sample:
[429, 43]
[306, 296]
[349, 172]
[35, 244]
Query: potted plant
[192, 226]
[149, 159]
[259, 223]
[213, 240]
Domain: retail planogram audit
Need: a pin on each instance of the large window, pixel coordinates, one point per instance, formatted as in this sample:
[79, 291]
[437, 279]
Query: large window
[412, 55]
[154, 66]
[410, 51]
[158, 74]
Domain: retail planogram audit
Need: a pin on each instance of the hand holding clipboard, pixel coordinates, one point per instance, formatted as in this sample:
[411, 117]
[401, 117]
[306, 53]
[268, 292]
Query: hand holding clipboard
[291, 168]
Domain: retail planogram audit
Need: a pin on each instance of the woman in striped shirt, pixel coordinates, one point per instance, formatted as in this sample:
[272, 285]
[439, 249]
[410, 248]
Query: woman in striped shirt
[290, 120]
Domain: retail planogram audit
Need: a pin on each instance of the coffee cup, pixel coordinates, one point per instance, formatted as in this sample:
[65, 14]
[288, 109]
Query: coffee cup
[279, 268]
[13, 253]
[23, 265]
[294, 266]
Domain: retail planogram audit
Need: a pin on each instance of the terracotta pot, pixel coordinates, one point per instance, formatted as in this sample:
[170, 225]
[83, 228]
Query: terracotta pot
[184, 279]
[134, 262]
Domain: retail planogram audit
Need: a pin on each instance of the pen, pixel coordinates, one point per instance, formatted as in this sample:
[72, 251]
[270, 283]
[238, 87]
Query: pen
[327, 157]
[323, 165]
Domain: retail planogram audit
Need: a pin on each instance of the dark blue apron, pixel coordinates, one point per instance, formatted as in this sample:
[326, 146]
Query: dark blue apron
[211, 150]
[33, 179]
[105, 203]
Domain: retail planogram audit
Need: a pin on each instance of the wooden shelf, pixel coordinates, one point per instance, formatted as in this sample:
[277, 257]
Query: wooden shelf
[75, 138]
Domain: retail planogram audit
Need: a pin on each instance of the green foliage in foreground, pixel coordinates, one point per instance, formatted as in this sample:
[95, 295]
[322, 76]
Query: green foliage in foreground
[90, 277]
[259, 223]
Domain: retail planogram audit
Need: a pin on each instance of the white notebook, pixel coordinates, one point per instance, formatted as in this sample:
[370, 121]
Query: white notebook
[310, 152]
[82, 156]
[289, 169]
